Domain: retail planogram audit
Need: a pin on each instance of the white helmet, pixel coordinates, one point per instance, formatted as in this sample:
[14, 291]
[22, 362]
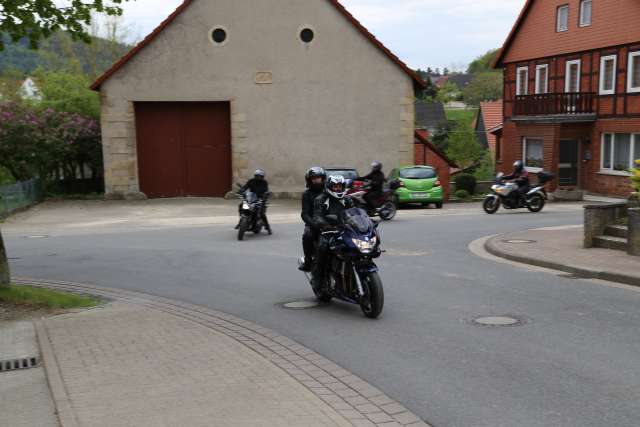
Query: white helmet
[333, 181]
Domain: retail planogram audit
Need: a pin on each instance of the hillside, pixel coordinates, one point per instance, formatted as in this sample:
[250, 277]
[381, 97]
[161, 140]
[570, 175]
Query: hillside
[60, 52]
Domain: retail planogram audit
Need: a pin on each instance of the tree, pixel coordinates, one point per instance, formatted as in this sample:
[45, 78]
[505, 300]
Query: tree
[447, 93]
[483, 62]
[486, 86]
[445, 72]
[40, 19]
[463, 148]
[68, 92]
[4, 265]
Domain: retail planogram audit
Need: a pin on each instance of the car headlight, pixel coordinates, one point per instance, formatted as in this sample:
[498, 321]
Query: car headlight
[365, 246]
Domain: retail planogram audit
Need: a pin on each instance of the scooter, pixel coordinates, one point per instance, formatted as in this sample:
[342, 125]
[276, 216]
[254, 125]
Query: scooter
[507, 194]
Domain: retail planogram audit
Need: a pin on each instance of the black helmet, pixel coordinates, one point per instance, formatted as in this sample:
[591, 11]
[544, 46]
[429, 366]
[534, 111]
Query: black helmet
[376, 166]
[259, 173]
[336, 180]
[315, 172]
[518, 166]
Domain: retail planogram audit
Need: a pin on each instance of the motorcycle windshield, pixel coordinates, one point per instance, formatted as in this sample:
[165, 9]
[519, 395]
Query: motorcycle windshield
[358, 220]
[251, 196]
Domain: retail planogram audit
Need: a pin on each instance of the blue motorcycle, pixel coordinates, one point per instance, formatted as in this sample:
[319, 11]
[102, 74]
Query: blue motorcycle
[352, 274]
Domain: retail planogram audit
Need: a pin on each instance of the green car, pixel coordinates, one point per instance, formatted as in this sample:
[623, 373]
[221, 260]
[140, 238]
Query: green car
[418, 184]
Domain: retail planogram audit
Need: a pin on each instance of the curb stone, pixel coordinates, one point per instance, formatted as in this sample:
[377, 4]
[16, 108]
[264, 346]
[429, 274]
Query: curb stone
[578, 271]
[356, 400]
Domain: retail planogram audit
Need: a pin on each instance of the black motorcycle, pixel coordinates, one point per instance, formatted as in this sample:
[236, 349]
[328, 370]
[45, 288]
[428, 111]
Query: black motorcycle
[352, 275]
[252, 213]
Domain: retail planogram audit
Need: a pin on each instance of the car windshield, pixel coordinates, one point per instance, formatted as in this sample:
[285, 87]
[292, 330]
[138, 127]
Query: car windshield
[358, 220]
[346, 173]
[417, 173]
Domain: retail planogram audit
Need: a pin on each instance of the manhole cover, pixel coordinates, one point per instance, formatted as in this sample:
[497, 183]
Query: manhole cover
[300, 305]
[506, 320]
[519, 241]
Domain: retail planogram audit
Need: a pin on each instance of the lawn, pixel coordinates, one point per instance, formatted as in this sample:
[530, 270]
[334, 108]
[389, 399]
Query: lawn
[31, 296]
[460, 115]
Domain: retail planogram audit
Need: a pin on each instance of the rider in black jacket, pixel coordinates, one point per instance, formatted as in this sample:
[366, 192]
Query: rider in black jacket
[258, 185]
[331, 202]
[315, 179]
[376, 182]
[521, 177]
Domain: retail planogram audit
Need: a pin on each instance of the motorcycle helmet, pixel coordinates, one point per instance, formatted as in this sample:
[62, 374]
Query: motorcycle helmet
[259, 174]
[315, 172]
[336, 186]
[518, 166]
[376, 166]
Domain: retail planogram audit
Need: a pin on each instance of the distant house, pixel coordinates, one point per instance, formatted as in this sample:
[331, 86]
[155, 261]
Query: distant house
[426, 153]
[459, 79]
[489, 125]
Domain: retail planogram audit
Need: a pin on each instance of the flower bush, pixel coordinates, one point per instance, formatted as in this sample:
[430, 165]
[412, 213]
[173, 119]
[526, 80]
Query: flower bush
[635, 179]
[48, 144]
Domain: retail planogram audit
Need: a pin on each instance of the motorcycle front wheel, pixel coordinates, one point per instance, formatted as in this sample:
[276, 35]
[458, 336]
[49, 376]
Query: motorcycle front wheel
[388, 211]
[373, 300]
[536, 203]
[244, 224]
[491, 205]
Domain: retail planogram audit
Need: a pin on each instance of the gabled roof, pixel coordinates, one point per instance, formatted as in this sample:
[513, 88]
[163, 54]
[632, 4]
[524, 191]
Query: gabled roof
[430, 115]
[422, 136]
[335, 3]
[491, 114]
[497, 62]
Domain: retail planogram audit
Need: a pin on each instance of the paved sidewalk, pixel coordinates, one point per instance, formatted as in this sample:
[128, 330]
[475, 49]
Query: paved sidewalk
[561, 249]
[148, 361]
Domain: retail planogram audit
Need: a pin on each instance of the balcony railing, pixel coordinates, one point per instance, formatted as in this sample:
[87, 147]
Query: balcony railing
[555, 103]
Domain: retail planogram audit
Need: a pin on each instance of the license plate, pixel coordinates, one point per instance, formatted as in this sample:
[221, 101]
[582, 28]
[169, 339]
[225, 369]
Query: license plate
[418, 196]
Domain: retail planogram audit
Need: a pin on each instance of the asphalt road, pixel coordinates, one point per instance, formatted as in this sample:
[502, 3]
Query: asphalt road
[574, 363]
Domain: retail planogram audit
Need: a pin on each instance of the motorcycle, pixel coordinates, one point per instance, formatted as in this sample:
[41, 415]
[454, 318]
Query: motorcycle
[386, 209]
[352, 276]
[251, 212]
[507, 195]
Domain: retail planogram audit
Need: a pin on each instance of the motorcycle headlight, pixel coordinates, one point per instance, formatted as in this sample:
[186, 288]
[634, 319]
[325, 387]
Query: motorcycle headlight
[365, 246]
[245, 205]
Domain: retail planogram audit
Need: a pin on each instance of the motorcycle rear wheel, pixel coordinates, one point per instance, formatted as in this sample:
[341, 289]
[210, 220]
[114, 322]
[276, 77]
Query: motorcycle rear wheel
[388, 211]
[536, 203]
[373, 300]
[491, 205]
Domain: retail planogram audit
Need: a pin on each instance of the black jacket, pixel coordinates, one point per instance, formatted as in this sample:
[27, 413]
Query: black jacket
[376, 180]
[521, 178]
[325, 205]
[259, 186]
[308, 199]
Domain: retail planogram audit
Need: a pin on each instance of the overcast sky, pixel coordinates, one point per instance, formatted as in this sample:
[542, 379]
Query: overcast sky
[436, 33]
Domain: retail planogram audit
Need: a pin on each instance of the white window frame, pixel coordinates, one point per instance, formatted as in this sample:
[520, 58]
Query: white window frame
[546, 82]
[612, 91]
[635, 142]
[566, 75]
[630, 70]
[560, 29]
[582, 6]
[524, 155]
[518, 81]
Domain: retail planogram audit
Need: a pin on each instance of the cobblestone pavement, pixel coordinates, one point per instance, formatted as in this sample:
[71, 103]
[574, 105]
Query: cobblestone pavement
[149, 361]
[24, 395]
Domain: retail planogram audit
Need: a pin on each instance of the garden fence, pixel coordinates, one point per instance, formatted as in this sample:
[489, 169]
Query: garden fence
[19, 195]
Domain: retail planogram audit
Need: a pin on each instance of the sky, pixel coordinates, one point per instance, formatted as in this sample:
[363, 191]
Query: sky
[423, 33]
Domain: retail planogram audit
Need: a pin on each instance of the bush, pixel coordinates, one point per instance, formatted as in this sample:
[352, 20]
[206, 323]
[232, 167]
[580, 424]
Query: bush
[462, 194]
[635, 178]
[466, 182]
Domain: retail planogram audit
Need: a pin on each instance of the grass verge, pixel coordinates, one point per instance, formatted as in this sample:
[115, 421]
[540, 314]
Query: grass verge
[461, 115]
[39, 297]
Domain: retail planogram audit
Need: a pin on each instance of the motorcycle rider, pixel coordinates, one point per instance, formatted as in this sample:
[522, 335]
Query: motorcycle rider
[376, 182]
[315, 179]
[521, 177]
[331, 202]
[260, 187]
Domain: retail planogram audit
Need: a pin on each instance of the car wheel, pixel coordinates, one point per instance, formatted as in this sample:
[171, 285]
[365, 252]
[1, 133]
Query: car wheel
[439, 205]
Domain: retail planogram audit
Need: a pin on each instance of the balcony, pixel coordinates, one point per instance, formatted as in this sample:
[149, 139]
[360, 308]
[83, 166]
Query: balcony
[560, 107]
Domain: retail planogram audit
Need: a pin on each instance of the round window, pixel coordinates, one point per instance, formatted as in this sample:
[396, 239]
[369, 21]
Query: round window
[307, 35]
[219, 35]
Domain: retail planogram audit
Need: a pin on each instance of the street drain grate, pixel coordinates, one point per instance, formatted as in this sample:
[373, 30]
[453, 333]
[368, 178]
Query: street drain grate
[300, 305]
[18, 364]
[519, 241]
[499, 321]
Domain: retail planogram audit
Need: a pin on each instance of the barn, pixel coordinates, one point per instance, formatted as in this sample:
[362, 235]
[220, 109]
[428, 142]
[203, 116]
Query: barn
[223, 87]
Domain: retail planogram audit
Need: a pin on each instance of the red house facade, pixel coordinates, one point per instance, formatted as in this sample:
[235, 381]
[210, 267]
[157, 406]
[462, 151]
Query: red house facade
[427, 154]
[572, 92]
